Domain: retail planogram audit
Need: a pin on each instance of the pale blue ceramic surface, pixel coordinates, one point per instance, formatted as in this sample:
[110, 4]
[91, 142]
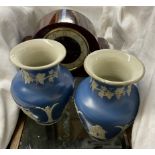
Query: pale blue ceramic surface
[104, 116]
[44, 94]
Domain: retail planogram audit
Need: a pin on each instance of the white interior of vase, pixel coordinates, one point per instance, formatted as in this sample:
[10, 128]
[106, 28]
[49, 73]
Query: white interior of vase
[114, 67]
[37, 54]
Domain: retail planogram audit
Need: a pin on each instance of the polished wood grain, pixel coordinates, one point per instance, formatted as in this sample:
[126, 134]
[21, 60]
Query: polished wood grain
[15, 140]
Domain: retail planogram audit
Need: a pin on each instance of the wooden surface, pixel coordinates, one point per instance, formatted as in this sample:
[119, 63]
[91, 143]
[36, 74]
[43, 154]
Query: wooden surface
[15, 140]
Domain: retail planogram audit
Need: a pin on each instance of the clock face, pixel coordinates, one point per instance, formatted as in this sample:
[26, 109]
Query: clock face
[76, 46]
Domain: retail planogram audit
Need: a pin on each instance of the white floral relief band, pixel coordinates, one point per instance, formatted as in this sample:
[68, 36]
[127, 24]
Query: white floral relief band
[40, 77]
[103, 91]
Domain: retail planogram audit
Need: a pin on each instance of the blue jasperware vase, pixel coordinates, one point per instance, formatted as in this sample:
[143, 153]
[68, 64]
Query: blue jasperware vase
[107, 102]
[42, 87]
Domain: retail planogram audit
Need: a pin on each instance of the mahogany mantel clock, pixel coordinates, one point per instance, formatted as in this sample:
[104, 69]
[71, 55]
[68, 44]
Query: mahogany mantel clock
[76, 32]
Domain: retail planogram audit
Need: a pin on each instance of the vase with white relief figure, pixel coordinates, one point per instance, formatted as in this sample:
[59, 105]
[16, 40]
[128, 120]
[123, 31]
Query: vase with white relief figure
[42, 87]
[107, 101]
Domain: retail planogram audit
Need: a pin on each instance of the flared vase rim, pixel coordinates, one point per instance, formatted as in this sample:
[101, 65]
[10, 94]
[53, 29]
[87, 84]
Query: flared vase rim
[110, 82]
[14, 51]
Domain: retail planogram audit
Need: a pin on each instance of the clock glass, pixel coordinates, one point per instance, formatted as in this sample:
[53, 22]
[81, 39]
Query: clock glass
[75, 44]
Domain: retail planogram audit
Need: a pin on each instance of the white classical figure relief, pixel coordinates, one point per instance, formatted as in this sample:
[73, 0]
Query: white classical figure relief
[97, 131]
[94, 130]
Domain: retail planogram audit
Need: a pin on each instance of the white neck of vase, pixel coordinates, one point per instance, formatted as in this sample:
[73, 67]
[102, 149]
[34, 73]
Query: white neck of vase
[37, 54]
[114, 67]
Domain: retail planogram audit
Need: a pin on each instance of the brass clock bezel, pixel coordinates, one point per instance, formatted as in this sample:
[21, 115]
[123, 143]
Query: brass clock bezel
[84, 50]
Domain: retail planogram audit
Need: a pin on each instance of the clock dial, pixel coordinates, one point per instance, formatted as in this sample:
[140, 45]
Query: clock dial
[75, 44]
[75, 31]
[72, 47]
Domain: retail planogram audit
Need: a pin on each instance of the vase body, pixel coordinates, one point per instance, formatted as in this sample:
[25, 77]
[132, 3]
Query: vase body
[106, 110]
[42, 93]
[105, 103]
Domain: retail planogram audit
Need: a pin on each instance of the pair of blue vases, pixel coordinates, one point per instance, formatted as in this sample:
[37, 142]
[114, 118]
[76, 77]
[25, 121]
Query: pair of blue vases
[107, 101]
